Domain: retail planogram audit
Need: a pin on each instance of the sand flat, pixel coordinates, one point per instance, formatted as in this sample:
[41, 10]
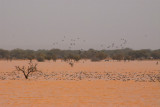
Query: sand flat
[60, 66]
[81, 93]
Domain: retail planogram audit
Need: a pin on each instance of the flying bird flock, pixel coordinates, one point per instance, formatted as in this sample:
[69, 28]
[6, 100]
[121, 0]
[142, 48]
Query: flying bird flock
[114, 46]
[73, 42]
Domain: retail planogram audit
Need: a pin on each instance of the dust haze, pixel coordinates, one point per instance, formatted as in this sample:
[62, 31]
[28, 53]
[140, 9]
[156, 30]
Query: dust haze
[38, 24]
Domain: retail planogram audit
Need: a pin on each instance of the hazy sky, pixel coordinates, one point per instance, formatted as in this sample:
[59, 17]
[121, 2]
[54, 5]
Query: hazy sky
[38, 24]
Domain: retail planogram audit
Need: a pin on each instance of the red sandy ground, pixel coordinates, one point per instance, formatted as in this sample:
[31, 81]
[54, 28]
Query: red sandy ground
[96, 93]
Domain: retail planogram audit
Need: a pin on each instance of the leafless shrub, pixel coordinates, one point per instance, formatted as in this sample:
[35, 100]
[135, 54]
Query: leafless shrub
[27, 70]
[71, 64]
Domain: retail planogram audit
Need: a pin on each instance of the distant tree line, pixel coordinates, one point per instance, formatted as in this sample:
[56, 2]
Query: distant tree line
[94, 55]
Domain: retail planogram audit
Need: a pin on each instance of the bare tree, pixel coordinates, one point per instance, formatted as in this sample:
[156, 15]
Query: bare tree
[27, 70]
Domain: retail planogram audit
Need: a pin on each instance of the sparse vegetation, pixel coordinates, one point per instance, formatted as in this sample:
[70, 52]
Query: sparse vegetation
[76, 55]
[27, 70]
[71, 64]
